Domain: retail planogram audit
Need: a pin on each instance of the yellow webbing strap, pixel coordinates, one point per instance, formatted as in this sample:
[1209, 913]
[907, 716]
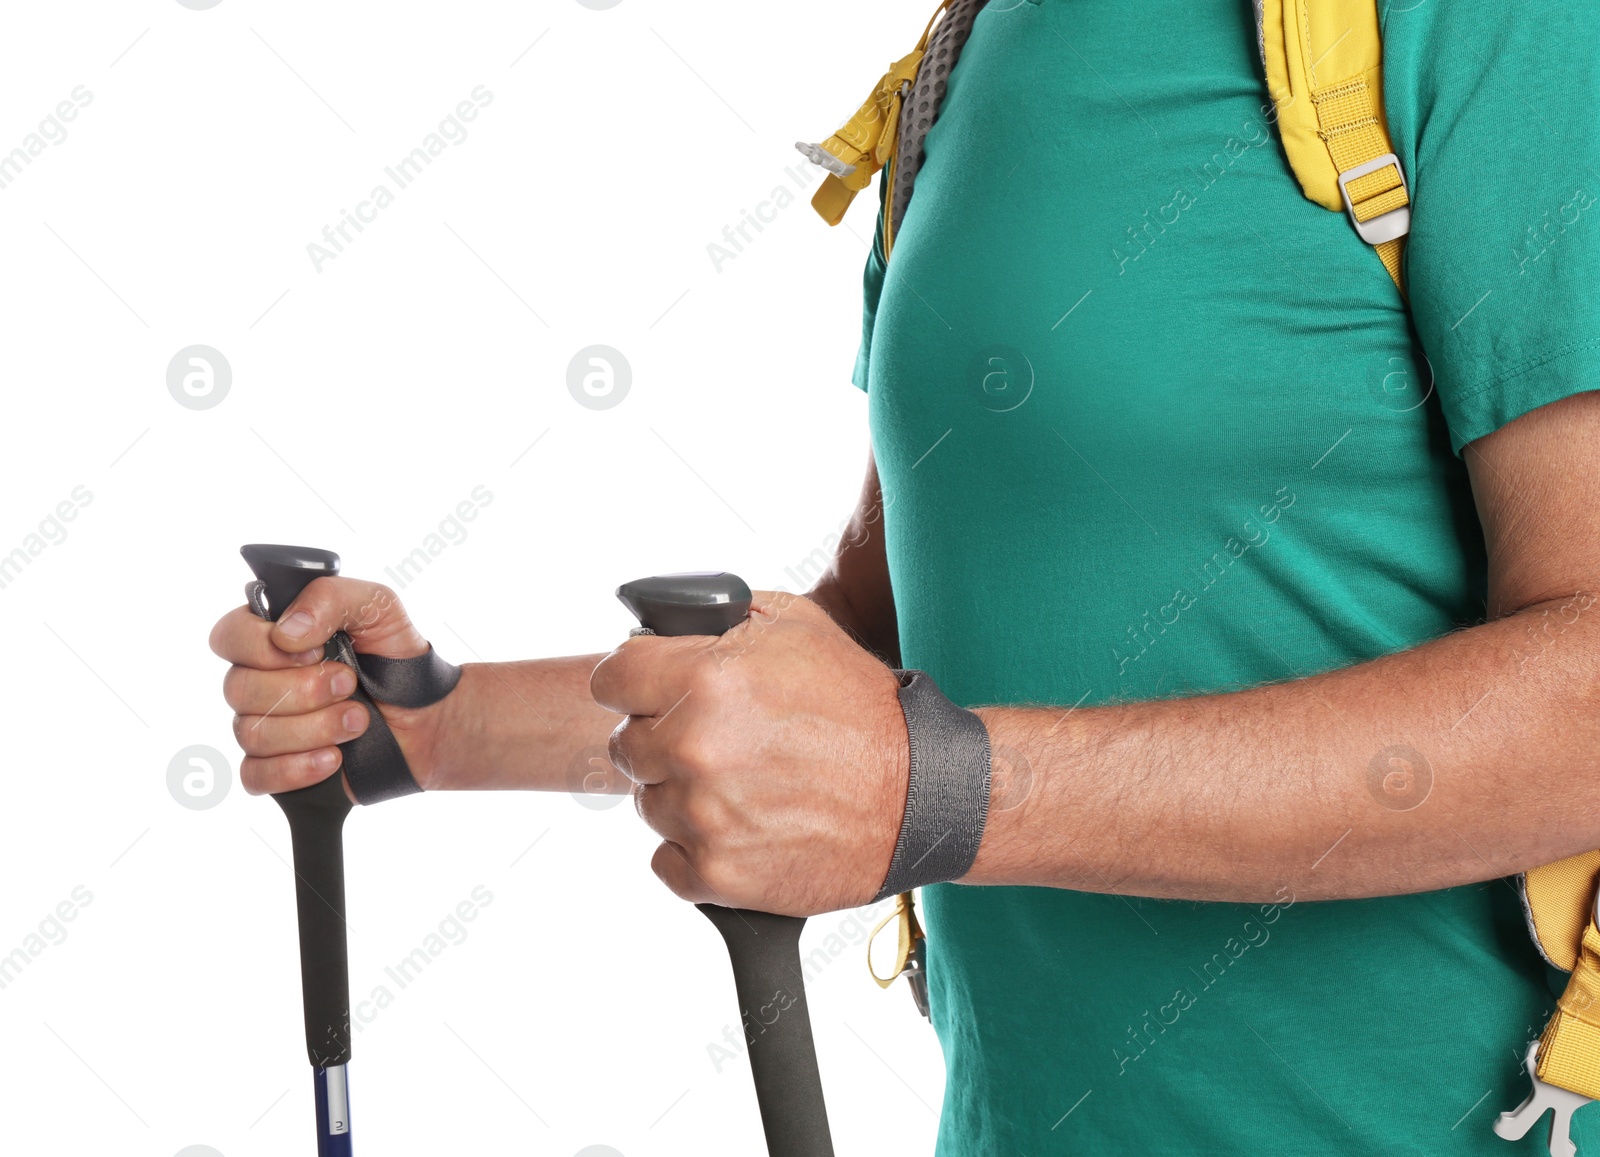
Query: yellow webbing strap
[867, 141]
[1324, 64]
[1560, 906]
[909, 932]
[1569, 1049]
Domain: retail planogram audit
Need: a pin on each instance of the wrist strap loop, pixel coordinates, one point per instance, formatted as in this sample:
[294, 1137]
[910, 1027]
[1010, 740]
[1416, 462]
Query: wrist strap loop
[374, 765]
[947, 794]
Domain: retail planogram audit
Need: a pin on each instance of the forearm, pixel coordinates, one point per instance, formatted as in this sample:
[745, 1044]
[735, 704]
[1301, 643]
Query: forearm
[523, 726]
[1227, 797]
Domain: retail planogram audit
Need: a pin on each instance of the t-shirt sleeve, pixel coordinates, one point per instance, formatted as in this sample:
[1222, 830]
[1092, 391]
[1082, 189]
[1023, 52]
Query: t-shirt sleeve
[871, 291]
[1500, 107]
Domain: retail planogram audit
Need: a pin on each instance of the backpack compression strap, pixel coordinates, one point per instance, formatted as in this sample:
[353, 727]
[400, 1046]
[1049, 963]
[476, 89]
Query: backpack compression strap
[1324, 69]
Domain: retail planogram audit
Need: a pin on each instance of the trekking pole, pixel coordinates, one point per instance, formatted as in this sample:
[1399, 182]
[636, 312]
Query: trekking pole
[764, 948]
[316, 829]
[375, 769]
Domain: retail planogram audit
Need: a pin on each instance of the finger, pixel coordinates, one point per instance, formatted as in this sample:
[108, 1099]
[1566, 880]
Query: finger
[268, 735]
[281, 773]
[243, 637]
[648, 674]
[295, 692]
[672, 867]
[660, 806]
[635, 751]
[369, 613]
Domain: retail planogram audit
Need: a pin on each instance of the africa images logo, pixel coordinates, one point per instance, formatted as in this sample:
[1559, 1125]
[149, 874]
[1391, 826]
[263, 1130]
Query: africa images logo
[198, 377]
[598, 377]
[1001, 378]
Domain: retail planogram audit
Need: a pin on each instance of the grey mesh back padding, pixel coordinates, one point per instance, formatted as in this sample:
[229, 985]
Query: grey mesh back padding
[921, 106]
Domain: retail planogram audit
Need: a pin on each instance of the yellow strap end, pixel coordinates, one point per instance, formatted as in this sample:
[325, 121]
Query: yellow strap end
[907, 933]
[1569, 1049]
[832, 199]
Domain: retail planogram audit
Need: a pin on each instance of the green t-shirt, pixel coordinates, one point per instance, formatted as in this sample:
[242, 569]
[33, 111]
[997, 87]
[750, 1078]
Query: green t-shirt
[1149, 424]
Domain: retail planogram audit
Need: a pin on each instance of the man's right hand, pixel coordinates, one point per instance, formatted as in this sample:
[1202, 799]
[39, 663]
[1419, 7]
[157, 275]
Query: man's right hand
[292, 709]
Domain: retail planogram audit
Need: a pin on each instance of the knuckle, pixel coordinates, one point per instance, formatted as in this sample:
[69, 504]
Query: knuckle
[232, 635]
[717, 874]
[602, 682]
[644, 805]
[218, 639]
[618, 749]
[316, 688]
[673, 870]
[368, 604]
[701, 671]
[695, 753]
[657, 809]
[704, 816]
[232, 692]
[252, 774]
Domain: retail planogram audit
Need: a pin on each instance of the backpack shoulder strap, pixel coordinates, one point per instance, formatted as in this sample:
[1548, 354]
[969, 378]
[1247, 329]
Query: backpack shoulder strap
[1324, 69]
[1557, 902]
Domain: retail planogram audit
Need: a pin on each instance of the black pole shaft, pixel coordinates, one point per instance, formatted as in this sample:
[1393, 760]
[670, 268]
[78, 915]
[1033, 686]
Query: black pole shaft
[763, 948]
[765, 952]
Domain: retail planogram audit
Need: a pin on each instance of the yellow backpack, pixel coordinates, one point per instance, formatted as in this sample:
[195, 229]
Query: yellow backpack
[1324, 68]
[1323, 61]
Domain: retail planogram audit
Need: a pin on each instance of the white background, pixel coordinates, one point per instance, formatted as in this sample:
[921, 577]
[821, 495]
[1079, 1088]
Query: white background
[367, 400]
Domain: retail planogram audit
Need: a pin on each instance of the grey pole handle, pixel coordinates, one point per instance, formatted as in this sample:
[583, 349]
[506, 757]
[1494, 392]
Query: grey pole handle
[764, 949]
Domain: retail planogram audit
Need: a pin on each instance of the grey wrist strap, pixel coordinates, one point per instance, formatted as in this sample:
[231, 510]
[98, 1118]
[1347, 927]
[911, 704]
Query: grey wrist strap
[416, 682]
[947, 796]
[380, 771]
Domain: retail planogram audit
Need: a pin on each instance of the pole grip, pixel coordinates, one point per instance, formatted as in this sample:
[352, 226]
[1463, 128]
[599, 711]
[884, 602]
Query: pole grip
[764, 949]
[316, 831]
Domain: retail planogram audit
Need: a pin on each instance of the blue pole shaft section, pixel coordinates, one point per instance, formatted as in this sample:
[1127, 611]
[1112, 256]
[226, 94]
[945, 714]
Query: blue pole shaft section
[333, 1112]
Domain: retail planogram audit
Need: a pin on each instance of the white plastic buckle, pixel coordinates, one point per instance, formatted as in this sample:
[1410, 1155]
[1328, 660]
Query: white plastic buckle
[822, 158]
[1519, 1122]
[1386, 226]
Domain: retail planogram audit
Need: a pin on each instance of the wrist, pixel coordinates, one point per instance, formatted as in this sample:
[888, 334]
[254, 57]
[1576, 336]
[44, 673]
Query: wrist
[436, 738]
[894, 758]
